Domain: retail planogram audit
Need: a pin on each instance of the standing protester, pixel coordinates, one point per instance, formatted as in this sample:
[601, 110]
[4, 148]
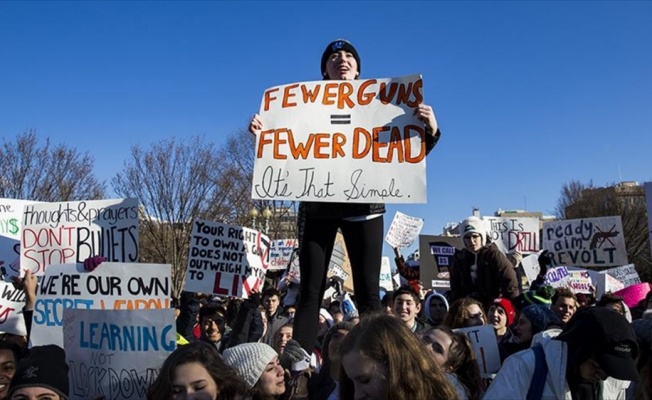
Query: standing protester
[481, 270]
[258, 365]
[406, 308]
[361, 224]
[43, 374]
[464, 313]
[591, 359]
[564, 304]
[435, 308]
[275, 314]
[501, 316]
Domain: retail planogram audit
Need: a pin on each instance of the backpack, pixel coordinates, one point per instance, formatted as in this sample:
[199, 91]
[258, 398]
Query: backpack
[538, 381]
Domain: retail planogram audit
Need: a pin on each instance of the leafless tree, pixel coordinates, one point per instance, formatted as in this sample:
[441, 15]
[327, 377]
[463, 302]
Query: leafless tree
[43, 171]
[571, 193]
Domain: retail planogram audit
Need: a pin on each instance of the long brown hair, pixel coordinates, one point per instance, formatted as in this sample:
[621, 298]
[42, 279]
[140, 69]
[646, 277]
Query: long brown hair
[462, 361]
[411, 373]
[458, 313]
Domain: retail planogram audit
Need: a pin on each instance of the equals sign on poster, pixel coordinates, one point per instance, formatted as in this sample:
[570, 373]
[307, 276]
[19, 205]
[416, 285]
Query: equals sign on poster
[340, 119]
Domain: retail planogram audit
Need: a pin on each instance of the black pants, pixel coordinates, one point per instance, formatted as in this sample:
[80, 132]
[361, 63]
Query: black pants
[364, 242]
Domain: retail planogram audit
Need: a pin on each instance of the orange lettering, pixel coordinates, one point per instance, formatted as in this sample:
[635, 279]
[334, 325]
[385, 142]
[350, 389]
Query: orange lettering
[395, 145]
[416, 91]
[269, 98]
[366, 98]
[378, 144]
[262, 142]
[279, 141]
[321, 141]
[357, 152]
[300, 150]
[310, 96]
[287, 94]
[408, 150]
[329, 94]
[346, 89]
[385, 97]
[404, 93]
[339, 139]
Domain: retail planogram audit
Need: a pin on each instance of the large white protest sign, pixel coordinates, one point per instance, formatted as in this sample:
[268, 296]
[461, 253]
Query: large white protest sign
[625, 274]
[111, 286]
[11, 213]
[514, 234]
[280, 253]
[648, 202]
[587, 242]
[483, 339]
[70, 232]
[12, 301]
[116, 354]
[342, 141]
[403, 230]
[226, 260]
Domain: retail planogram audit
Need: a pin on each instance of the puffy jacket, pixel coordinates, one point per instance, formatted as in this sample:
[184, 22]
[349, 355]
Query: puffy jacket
[513, 379]
[496, 275]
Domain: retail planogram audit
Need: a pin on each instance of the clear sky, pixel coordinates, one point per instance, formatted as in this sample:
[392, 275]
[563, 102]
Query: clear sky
[529, 95]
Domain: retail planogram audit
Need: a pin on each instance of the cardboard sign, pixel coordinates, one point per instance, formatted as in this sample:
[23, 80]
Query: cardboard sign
[514, 234]
[483, 339]
[436, 256]
[280, 253]
[111, 286]
[116, 353]
[72, 231]
[227, 260]
[587, 242]
[403, 230]
[342, 141]
[12, 301]
[386, 275]
[11, 218]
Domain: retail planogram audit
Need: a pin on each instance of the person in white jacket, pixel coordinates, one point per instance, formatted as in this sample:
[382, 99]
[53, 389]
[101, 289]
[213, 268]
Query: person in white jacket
[592, 358]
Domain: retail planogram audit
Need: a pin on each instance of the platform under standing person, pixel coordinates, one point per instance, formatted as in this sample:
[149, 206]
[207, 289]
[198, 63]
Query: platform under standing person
[361, 224]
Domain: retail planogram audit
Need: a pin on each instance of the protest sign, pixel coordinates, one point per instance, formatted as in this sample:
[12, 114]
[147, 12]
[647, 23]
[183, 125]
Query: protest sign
[227, 260]
[557, 276]
[580, 282]
[587, 242]
[280, 253]
[12, 301]
[625, 274]
[294, 271]
[11, 213]
[116, 353]
[606, 283]
[648, 203]
[514, 234]
[403, 230]
[436, 256]
[339, 264]
[531, 267]
[111, 286]
[342, 141]
[386, 275]
[483, 339]
[72, 231]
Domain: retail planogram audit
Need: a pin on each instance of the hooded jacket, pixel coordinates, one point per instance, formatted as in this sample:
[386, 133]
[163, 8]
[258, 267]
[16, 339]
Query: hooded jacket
[496, 275]
[513, 379]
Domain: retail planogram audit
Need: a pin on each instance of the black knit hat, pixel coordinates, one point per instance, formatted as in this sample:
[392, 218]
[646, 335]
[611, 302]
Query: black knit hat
[335, 46]
[44, 366]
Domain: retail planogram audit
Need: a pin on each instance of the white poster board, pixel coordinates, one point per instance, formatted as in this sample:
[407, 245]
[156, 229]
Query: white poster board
[514, 234]
[587, 242]
[111, 286]
[403, 230]
[12, 301]
[386, 275]
[280, 253]
[531, 267]
[116, 353]
[625, 274]
[342, 141]
[227, 260]
[580, 282]
[11, 218]
[72, 231]
[483, 339]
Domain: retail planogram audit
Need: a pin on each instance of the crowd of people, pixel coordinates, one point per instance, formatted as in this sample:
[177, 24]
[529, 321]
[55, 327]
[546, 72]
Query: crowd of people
[288, 342]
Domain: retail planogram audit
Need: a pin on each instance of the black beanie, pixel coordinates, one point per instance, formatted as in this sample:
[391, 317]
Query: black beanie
[44, 366]
[335, 46]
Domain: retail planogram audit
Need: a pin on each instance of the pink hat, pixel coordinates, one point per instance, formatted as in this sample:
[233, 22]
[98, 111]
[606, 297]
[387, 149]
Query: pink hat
[632, 295]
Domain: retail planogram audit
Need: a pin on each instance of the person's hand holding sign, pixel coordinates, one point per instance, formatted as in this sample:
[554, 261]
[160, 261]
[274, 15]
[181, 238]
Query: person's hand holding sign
[256, 124]
[427, 115]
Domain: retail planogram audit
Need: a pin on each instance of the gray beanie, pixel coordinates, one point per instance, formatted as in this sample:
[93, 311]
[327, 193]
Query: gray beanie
[249, 360]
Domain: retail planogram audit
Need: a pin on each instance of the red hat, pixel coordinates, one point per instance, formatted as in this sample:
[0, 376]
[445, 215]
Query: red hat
[508, 307]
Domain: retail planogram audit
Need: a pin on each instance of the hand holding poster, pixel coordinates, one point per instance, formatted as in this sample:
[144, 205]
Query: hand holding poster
[111, 286]
[587, 242]
[116, 353]
[226, 260]
[403, 230]
[342, 141]
[70, 232]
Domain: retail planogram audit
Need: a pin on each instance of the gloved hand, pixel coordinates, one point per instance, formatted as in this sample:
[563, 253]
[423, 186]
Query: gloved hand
[299, 357]
[93, 262]
[545, 261]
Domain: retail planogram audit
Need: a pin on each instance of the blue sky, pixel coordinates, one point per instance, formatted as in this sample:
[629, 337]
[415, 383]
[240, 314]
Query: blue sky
[529, 95]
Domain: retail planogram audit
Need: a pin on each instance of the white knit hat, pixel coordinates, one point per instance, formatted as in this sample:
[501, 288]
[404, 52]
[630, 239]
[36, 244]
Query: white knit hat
[474, 225]
[249, 360]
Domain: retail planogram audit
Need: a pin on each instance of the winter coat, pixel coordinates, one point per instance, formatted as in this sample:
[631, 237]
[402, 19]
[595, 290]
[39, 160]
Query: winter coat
[495, 275]
[513, 379]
